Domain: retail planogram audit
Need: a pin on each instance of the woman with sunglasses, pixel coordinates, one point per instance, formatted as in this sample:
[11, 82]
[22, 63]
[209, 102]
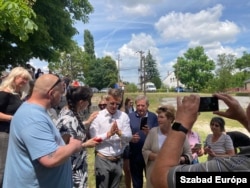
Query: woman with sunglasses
[102, 103]
[157, 136]
[218, 144]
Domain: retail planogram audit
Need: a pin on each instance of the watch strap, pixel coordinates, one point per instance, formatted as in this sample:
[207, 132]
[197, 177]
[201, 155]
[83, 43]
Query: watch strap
[179, 127]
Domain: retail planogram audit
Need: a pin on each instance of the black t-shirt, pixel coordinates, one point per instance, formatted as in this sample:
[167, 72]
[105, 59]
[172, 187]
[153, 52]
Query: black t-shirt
[9, 103]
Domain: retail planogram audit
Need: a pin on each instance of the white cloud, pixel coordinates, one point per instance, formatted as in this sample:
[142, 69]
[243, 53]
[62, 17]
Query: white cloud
[138, 42]
[201, 28]
[166, 29]
[141, 9]
[130, 55]
[141, 42]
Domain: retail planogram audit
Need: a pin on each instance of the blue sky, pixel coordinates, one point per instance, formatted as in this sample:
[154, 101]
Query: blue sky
[165, 27]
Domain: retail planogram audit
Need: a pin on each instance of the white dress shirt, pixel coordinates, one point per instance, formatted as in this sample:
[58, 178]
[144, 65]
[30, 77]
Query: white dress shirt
[113, 146]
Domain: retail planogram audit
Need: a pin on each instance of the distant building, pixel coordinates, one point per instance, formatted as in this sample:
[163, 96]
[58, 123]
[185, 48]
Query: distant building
[170, 81]
[247, 85]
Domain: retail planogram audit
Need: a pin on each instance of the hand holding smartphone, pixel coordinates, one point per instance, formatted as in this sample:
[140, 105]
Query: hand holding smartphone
[197, 146]
[208, 104]
[143, 123]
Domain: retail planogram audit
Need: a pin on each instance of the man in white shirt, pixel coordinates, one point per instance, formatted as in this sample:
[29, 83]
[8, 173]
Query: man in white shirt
[112, 128]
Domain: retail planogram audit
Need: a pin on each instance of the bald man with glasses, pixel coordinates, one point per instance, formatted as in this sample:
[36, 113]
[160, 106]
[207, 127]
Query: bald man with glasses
[37, 155]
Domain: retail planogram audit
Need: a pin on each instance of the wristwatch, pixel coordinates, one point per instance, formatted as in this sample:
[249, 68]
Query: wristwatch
[179, 127]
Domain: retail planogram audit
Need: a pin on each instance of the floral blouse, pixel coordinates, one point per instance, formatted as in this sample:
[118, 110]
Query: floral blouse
[67, 123]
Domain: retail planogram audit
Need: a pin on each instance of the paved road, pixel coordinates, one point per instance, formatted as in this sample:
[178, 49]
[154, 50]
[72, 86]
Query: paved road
[244, 101]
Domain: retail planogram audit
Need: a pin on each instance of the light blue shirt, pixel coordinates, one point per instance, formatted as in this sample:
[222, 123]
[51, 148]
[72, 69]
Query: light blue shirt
[33, 135]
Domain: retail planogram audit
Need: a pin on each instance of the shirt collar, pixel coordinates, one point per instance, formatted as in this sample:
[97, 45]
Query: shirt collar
[107, 114]
[137, 115]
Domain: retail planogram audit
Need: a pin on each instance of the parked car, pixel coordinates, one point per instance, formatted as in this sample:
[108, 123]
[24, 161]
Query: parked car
[94, 90]
[150, 87]
[179, 89]
[104, 90]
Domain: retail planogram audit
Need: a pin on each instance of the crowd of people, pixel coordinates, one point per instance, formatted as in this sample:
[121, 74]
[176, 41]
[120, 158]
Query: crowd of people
[44, 137]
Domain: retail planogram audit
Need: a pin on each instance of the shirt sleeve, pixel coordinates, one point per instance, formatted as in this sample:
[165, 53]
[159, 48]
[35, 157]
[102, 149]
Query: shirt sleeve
[229, 143]
[126, 130]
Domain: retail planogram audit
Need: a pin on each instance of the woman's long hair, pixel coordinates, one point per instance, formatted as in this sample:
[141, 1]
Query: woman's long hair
[9, 81]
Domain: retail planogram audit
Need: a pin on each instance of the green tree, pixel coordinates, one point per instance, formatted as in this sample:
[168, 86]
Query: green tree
[239, 78]
[243, 62]
[157, 81]
[194, 69]
[102, 73]
[89, 45]
[70, 64]
[224, 72]
[16, 18]
[151, 71]
[55, 20]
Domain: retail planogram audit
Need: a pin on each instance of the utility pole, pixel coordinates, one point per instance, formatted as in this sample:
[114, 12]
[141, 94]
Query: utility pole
[118, 67]
[141, 70]
[144, 75]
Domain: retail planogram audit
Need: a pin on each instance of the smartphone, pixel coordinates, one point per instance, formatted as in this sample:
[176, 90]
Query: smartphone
[197, 145]
[143, 122]
[208, 104]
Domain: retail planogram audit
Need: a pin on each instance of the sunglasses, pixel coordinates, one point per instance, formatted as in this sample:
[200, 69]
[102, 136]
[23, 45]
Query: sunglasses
[214, 124]
[55, 84]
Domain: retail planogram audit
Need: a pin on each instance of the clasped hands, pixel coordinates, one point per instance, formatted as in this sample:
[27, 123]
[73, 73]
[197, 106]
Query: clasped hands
[114, 130]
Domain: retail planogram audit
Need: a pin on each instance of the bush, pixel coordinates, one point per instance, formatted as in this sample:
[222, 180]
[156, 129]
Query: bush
[242, 94]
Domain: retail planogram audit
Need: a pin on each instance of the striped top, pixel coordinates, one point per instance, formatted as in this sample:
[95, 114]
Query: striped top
[221, 146]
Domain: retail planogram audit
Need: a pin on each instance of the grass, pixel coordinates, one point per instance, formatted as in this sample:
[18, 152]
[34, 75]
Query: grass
[155, 100]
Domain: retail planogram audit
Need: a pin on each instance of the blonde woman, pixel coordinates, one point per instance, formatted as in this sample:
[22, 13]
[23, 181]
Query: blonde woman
[13, 90]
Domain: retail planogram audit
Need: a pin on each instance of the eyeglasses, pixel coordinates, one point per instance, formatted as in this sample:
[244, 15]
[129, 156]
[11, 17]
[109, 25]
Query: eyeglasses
[57, 82]
[214, 124]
